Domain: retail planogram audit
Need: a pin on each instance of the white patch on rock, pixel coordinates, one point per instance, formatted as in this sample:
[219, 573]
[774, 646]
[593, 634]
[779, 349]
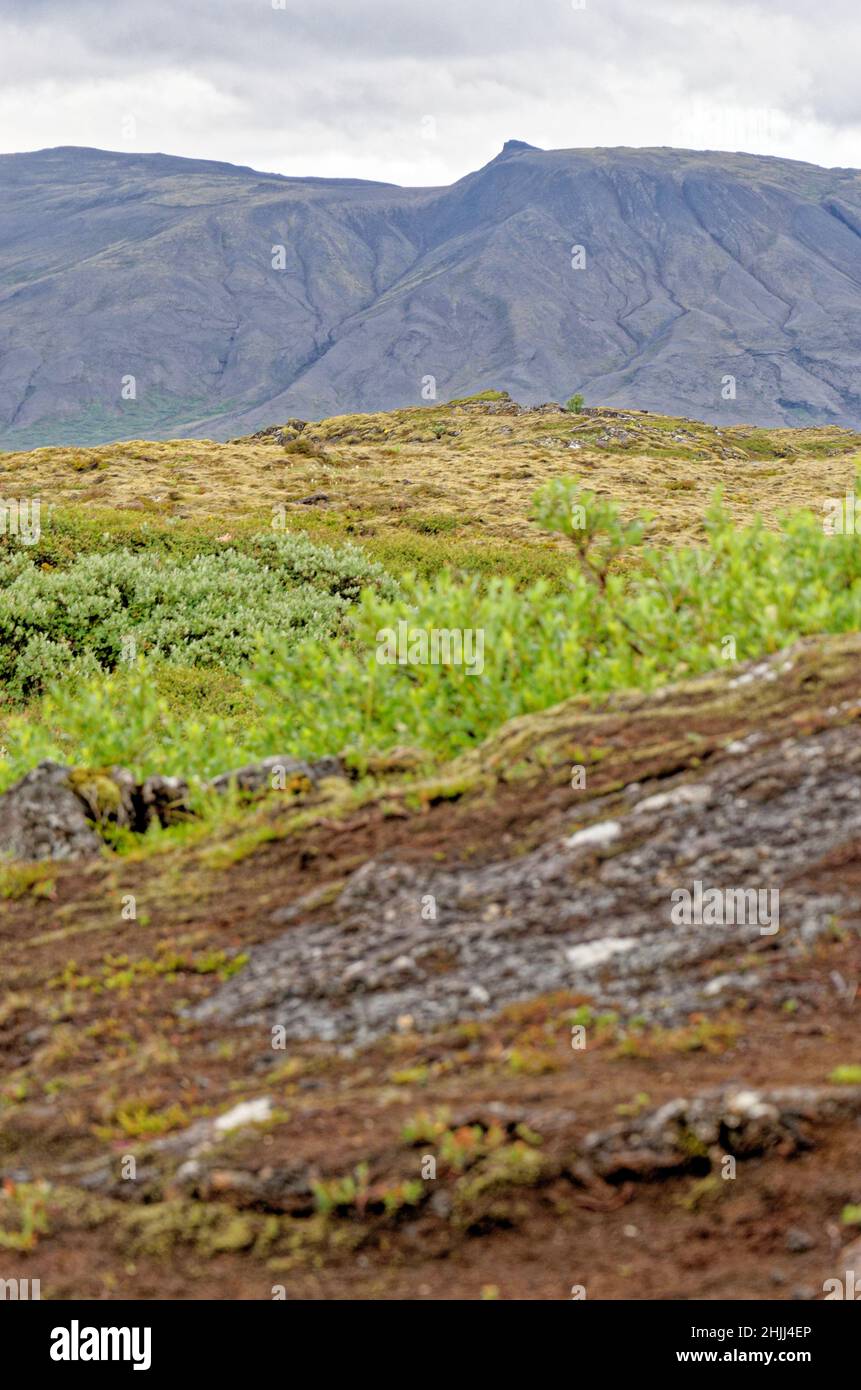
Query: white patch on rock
[744, 744]
[604, 833]
[748, 1105]
[761, 672]
[696, 795]
[248, 1112]
[593, 953]
[744, 979]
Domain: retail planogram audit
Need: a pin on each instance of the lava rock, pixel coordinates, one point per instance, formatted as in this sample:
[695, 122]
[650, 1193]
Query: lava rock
[278, 772]
[162, 799]
[41, 817]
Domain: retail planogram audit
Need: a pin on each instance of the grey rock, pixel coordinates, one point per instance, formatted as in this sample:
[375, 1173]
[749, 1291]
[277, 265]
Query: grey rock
[257, 777]
[42, 818]
[280, 434]
[732, 1119]
[54, 811]
[583, 913]
[163, 800]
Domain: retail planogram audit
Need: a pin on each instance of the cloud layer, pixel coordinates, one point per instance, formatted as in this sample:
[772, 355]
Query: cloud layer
[423, 91]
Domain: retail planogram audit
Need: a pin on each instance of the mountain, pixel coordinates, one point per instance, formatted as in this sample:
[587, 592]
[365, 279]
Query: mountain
[697, 267]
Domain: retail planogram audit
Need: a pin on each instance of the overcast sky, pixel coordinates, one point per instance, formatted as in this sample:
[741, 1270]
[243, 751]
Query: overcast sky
[423, 91]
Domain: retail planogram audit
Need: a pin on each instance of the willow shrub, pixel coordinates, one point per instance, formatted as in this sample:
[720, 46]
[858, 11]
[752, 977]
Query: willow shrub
[676, 613]
[206, 610]
[681, 612]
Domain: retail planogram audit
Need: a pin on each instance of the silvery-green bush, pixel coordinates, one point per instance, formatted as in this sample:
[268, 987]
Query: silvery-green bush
[210, 610]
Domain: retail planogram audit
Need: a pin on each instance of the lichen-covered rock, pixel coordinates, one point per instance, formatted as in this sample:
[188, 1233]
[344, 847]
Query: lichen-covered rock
[42, 817]
[108, 794]
[589, 913]
[736, 1119]
[163, 800]
[278, 773]
[55, 811]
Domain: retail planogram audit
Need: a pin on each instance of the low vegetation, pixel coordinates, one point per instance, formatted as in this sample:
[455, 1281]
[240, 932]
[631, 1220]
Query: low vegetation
[309, 656]
[161, 621]
[205, 610]
[170, 645]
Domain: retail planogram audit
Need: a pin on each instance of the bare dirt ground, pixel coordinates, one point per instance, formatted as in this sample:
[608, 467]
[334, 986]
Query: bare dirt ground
[429, 1122]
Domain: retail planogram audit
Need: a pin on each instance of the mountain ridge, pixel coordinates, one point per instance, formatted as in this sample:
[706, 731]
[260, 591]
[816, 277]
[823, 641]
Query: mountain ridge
[697, 267]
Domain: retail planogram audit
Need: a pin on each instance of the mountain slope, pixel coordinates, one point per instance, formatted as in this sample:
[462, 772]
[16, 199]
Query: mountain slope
[697, 267]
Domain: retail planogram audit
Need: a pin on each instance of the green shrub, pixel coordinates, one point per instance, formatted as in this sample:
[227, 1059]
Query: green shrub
[306, 448]
[207, 610]
[607, 628]
[434, 524]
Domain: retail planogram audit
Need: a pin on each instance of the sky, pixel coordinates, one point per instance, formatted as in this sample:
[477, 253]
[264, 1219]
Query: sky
[424, 91]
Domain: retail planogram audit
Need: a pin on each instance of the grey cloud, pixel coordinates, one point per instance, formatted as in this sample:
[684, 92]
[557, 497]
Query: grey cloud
[352, 79]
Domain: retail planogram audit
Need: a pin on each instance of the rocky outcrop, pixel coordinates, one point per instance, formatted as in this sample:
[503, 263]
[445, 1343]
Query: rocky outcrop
[41, 817]
[55, 811]
[278, 773]
[736, 1119]
[276, 434]
[588, 912]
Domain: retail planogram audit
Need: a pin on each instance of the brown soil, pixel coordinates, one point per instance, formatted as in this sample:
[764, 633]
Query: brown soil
[101, 1060]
